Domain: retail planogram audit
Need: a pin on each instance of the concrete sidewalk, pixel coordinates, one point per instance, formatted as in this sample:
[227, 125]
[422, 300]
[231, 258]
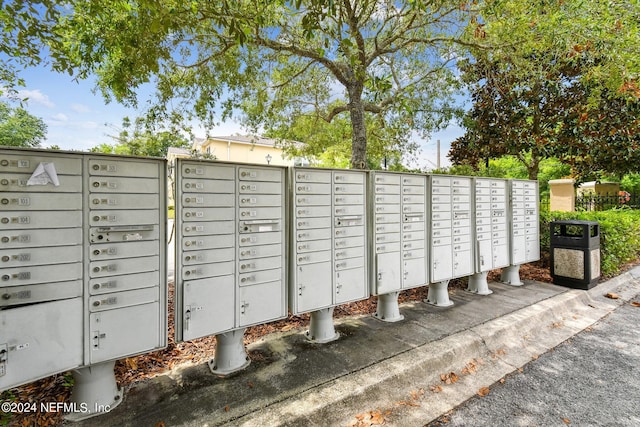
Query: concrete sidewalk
[405, 374]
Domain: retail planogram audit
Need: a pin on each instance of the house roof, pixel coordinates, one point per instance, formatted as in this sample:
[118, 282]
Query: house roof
[243, 139]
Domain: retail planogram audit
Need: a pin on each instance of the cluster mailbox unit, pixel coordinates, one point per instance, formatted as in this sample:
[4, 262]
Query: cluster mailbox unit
[399, 253]
[328, 244]
[83, 256]
[83, 253]
[230, 253]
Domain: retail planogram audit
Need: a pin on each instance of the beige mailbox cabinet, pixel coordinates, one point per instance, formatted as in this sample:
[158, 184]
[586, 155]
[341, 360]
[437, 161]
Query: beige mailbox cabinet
[83, 263]
[230, 250]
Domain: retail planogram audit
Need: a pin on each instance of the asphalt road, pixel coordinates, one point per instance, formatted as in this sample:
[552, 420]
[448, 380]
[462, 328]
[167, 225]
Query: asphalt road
[592, 379]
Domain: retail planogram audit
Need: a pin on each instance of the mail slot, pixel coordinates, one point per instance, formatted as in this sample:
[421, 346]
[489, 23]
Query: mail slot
[124, 201]
[210, 172]
[116, 167]
[124, 282]
[123, 185]
[18, 182]
[30, 294]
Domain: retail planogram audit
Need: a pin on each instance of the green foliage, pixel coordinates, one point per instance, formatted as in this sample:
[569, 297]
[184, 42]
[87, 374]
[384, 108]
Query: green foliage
[18, 128]
[619, 235]
[136, 140]
[631, 183]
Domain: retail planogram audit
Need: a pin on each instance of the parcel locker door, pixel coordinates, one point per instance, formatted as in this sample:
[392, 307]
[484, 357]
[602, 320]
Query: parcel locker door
[313, 289]
[351, 284]
[484, 257]
[124, 332]
[414, 272]
[208, 307]
[441, 263]
[388, 278]
[40, 340]
[261, 303]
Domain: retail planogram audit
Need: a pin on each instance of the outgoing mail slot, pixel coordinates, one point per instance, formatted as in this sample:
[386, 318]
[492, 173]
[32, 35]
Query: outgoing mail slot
[122, 266]
[34, 220]
[302, 175]
[340, 188]
[208, 270]
[349, 210]
[196, 243]
[29, 294]
[260, 174]
[18, 182]
[190, 200]
[260, 239]
[313, 211]
[16, 276]
[207, 186]
[249, 187]
[124, 283]
[256, 277]
[304, 258]
[260, 264]
[260, 200]
[122, 217]
[203, 228]
[349, 221]
[123, 201]
[315, 234]
[36, 238]
[123, 234]
[123, 185]
[123, 299]
[208, 214]
[208, 255]
[27, 163]
[313, 246]
[37, 256]
[260, 226]
[202, 170]
[42, 201]
[122, 167]
[263, 251]
[314, 200]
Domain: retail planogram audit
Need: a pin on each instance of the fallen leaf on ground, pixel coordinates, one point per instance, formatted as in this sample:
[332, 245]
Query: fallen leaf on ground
[286, 328]
[635, 303]
[435, 388]
[483, 391]
[566, 421]
[159, 424]
[612, 295]
[226, 408]
[449, 378]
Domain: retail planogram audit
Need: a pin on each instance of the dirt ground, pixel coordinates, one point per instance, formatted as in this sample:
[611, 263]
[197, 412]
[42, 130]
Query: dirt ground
[133, 369]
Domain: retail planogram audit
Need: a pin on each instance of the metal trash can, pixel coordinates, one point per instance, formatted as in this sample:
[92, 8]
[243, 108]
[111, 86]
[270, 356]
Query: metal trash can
[575, 253]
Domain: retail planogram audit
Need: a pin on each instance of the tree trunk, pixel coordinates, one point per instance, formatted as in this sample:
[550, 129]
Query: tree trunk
[358, 128]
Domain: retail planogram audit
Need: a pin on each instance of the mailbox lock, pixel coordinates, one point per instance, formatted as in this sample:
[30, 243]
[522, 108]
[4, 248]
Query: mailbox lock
[96, 167]
[96, 218]
[96, 303]
[5, 239]
[5, 182]
[96, 184]
[5, 220]
[96, 252]
[4, 162]
[6, 296]
[5, 201]
[6, 277]
[5, 258]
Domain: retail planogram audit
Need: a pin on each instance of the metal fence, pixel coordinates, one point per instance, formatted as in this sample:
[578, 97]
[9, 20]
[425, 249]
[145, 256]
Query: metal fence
[593, 202]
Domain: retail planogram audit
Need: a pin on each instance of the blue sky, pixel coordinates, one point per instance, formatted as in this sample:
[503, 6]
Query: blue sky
[78, 119]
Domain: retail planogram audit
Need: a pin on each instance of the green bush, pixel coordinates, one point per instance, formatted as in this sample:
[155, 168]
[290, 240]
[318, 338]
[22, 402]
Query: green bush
[619, 235]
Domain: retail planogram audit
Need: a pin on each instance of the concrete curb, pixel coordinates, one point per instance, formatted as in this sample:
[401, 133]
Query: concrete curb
[401, 388]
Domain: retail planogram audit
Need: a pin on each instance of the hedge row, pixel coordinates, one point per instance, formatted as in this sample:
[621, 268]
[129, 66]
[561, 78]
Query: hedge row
[619, 235]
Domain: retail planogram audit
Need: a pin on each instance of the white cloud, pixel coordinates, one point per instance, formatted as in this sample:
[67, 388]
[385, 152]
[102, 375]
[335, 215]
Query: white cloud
[37, 97]
[80, 108]
[60, 117]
